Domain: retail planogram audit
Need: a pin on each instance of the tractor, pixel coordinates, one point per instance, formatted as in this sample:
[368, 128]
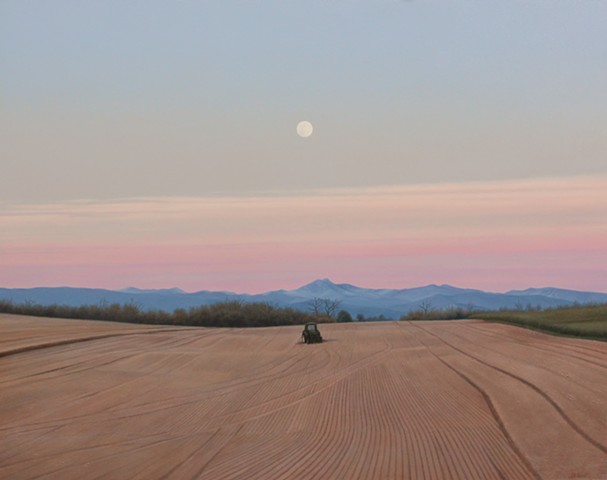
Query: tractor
[311, 334]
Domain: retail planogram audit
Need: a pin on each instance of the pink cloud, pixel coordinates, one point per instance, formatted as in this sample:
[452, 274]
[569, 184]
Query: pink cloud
[488, 235]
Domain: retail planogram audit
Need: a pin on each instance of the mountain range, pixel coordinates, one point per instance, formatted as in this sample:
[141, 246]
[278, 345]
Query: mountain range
[391, 303]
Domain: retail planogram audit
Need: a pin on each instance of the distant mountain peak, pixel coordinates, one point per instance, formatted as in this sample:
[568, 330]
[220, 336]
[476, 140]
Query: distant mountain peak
[321, 281]
[318, 284]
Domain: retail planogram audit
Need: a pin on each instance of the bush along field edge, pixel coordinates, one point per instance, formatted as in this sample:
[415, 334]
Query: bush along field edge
[585, 321]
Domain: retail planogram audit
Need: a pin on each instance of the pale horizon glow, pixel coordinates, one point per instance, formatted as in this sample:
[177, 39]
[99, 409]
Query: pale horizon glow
[488, 235]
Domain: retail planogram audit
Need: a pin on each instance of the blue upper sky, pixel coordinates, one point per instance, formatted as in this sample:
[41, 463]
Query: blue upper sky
[198, 98]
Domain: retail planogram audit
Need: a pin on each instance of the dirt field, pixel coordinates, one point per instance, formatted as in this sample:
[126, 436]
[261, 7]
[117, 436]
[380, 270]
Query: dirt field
[429, 400]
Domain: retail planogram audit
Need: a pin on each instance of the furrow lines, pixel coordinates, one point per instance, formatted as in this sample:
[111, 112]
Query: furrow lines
[385, 401]
[534, 387]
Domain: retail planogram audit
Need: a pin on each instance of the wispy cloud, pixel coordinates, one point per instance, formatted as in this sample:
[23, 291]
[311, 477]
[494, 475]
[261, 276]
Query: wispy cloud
[490, 235]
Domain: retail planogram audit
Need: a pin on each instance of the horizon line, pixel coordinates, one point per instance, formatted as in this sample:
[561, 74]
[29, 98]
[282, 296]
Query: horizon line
[185, 292]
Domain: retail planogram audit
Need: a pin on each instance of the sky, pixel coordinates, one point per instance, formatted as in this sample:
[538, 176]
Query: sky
[154, 144]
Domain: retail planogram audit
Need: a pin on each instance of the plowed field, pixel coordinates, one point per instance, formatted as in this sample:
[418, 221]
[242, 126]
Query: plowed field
[395, 400]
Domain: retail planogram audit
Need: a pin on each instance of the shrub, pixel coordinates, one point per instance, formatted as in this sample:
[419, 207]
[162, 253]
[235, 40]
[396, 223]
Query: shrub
[222, 314]
[343, 316]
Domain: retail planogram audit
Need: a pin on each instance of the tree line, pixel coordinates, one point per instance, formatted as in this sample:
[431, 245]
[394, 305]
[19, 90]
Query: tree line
[232, 313]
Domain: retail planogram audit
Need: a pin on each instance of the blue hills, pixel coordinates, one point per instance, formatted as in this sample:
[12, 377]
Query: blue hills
[391, 303]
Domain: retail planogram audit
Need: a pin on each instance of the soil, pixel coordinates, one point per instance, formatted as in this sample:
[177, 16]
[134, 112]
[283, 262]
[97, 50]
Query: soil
[391, 400]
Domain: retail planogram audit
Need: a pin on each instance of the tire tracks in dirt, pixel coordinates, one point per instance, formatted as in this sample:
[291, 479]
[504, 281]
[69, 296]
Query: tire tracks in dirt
[488, 401]
[60, 343]
[550, 348]
[534, 387]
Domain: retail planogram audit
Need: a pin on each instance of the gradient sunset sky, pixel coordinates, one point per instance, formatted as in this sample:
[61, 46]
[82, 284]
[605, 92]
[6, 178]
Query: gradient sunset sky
[153, 144]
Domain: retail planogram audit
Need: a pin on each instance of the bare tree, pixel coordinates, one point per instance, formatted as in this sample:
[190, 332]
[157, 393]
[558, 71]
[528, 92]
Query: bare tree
[324, 306]
[426, 307]
[330, 306]
[316, 305]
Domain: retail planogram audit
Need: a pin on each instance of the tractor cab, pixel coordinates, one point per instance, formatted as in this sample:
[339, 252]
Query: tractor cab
[311, 334]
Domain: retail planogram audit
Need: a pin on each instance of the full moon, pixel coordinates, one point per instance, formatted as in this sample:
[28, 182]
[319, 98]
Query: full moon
[304, 129]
